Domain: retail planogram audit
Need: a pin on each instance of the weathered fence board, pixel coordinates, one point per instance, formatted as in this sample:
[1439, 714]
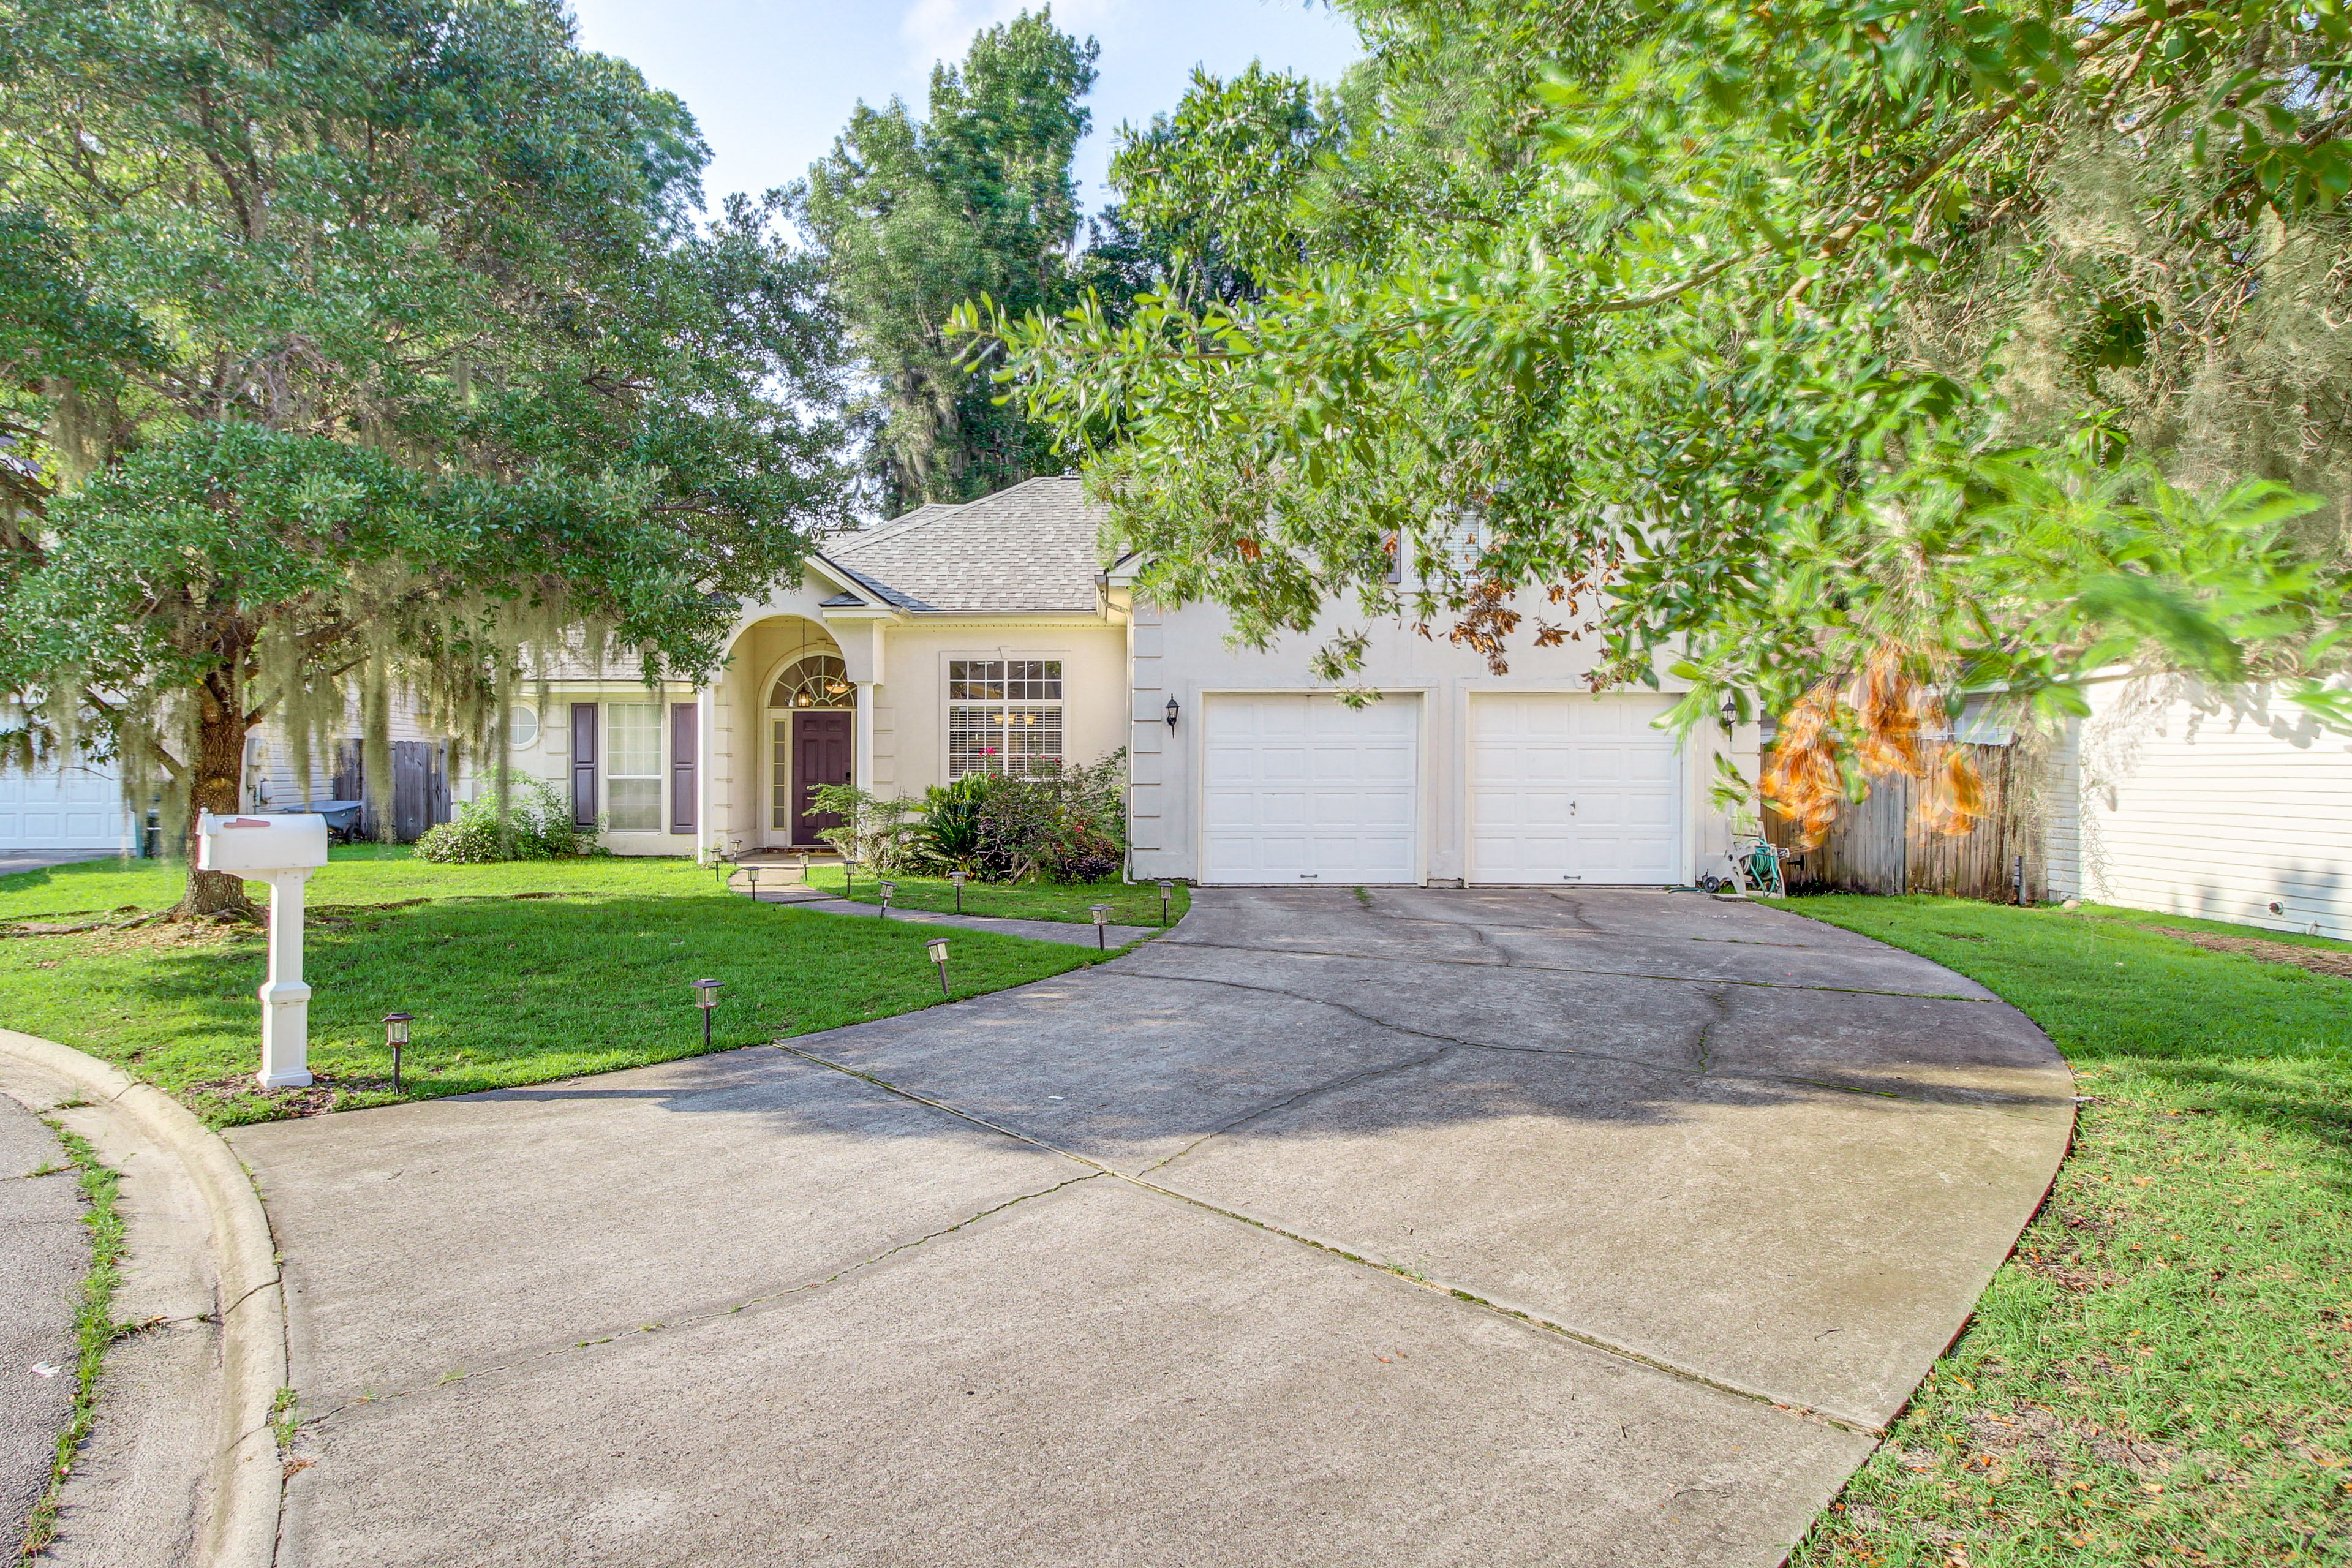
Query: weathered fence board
[1878, 845]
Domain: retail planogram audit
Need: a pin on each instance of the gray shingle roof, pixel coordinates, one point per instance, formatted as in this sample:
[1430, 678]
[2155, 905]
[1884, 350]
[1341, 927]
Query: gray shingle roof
[1031, 548]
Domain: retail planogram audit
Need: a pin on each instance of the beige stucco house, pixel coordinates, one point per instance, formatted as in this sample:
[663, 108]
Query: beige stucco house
[992, 637]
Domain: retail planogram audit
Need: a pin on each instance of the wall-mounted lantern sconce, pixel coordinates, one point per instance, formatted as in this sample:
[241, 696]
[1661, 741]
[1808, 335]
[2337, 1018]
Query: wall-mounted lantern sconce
[1172, 715]
[1730, 710]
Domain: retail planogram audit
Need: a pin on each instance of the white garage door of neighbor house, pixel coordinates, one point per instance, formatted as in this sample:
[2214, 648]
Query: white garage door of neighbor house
[69, 808]
[1569, 787]
[1300, 789]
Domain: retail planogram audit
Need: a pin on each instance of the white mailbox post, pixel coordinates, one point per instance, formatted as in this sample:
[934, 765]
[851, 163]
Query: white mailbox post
[281, 851]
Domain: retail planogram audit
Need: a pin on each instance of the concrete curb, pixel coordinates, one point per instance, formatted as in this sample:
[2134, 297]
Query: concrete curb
[240, 1524]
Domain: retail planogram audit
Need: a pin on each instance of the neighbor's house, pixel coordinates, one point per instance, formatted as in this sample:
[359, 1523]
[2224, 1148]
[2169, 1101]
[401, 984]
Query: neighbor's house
[2230, 804]
[989, 636]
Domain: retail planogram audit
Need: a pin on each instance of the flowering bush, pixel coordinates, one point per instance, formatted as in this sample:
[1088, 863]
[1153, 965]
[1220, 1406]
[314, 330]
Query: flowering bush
[538, 826]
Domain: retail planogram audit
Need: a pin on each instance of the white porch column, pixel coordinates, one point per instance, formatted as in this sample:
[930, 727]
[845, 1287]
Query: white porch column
[707, 829]
[862, 741]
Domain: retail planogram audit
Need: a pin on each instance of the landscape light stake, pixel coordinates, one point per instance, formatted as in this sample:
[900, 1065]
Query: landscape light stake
[753, 872]
[887, 889]
[957, 877]
[804, 868]
[395, 1035]
[1167, 892]
[938, 946]
[1102, 925]
[706, 996]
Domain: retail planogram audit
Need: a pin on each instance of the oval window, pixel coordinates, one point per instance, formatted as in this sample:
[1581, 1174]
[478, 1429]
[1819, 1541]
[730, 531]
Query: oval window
[522, 726]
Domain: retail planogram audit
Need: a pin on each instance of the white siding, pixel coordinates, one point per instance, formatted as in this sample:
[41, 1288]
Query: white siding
[2208, 802]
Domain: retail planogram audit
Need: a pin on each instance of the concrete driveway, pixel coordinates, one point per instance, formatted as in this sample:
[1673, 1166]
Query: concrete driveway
[48, 1251]
[1423, 1228]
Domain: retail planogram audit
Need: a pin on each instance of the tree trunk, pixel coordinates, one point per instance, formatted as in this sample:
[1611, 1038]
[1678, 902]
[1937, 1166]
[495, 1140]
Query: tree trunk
[216, 785]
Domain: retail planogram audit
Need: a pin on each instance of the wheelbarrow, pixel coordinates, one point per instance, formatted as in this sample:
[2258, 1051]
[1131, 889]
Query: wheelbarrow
[343, 817]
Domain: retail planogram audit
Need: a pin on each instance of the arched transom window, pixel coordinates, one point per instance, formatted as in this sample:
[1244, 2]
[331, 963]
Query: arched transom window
[818, 680]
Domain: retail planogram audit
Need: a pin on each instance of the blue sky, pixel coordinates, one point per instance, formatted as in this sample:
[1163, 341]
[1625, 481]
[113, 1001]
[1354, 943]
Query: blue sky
[773, 82]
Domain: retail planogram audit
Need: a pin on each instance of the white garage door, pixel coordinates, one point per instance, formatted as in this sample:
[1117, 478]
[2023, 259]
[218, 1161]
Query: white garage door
[70, 808]
[1305, 789]
[1573, 788]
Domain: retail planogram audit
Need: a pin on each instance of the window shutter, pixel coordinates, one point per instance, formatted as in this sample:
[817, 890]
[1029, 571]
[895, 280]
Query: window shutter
[584, 765]
[682, 758]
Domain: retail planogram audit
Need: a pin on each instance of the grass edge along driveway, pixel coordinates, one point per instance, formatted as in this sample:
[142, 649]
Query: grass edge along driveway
[2161, 1372]
[518, 974]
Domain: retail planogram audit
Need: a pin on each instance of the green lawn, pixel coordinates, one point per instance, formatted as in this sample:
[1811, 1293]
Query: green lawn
[507, 988]
[356, 874]
[1131, 903]
[2162, 1374]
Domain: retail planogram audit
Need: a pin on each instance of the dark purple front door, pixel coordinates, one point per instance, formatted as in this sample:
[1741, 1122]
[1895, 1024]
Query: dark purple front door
[820, 756]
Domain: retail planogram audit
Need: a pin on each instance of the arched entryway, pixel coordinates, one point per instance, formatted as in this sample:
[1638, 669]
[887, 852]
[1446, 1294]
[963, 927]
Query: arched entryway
[809, 730]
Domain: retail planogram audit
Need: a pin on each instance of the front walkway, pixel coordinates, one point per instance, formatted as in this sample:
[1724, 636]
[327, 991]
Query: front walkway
[1470, 1227]
[1036, 931]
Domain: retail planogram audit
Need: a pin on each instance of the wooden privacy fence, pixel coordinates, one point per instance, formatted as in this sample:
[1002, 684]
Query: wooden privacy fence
[1878, 845]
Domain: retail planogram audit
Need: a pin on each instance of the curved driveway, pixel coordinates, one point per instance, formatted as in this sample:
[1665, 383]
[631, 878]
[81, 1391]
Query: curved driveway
[1416, 1226]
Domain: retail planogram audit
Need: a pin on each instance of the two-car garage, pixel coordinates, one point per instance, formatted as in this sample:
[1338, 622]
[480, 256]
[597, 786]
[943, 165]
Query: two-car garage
[1553, 787]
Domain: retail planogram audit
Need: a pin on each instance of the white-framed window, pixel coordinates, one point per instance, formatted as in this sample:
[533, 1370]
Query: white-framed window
[522, 726]
[1004, 716]
[633, 767]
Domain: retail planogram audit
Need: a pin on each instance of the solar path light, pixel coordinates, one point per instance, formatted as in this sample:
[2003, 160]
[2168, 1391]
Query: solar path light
[706, 996]
[938, 946]
[752, 871]
[395, 1035]
[1167, 892]
[888, 888]
[1102, 925]
[957, 877]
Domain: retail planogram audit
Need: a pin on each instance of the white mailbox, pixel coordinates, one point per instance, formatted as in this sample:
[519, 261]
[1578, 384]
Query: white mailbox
[282, 851]
[261, 843]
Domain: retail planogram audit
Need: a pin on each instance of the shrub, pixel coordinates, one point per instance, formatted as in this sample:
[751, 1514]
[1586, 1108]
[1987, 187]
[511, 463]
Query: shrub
[947, 838]
[1069, 826]
[872, 831]
[538, 827]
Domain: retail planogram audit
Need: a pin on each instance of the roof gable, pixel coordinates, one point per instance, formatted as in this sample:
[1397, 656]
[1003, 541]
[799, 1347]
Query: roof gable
[1033, 549]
